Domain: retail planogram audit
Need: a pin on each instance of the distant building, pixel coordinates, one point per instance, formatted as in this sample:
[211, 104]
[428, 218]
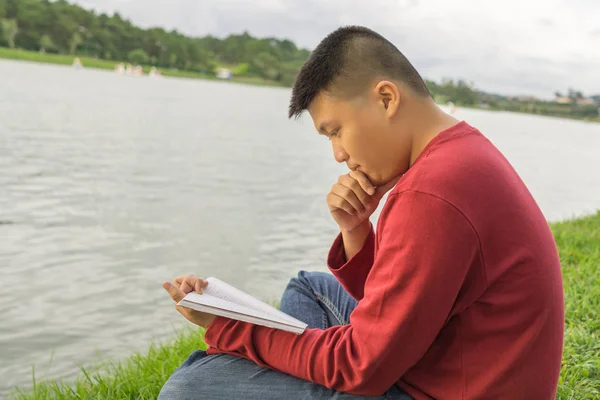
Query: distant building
[585, 101]
[580, 101]
[527, 99]
[562, 99]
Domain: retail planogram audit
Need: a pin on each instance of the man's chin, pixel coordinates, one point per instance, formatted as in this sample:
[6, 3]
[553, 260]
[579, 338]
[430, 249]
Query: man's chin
[380, 181]
[375, 181]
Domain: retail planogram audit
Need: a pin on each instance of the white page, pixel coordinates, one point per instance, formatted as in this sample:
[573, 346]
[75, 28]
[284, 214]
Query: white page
[242, 317]
[227, 292]
[226, 304]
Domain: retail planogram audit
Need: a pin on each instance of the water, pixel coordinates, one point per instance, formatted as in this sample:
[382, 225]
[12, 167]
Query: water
[111, 184]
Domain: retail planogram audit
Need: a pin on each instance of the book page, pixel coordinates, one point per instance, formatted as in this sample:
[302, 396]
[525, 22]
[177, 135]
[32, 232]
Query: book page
[225, 304]
[239, 316]
[225, 291]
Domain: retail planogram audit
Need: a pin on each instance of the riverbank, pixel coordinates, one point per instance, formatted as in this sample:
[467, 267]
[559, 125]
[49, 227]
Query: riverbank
[88, 62]
[142, 375]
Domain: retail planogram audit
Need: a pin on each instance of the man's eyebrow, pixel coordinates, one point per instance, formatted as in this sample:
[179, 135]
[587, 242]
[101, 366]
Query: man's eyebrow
[323, 127]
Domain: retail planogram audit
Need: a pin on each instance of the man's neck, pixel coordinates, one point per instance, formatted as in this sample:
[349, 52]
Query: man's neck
[430, 122]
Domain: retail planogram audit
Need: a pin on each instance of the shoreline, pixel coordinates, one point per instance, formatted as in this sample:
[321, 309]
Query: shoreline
[142, 375]
[92, 63]
[88, 62]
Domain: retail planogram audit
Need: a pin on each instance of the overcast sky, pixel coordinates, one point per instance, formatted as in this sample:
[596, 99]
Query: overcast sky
[509, 47]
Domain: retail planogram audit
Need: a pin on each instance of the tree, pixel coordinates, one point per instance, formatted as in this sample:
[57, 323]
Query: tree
[10, 30]
[265, 65]
[76, 40]
[241, 70]
[73, 29]
[575, 95]
[172, 60]
[46, 43]
[138, 56]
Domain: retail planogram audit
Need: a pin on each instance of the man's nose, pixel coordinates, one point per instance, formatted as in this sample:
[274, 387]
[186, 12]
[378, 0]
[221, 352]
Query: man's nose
[339, 154]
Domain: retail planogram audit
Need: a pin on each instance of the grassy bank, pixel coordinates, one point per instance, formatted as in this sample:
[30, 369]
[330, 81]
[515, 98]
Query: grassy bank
[142, 375]
[88, 62]
[139, 377]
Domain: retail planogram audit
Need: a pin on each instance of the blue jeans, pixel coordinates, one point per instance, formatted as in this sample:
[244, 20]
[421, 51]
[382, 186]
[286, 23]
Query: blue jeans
[316, 298]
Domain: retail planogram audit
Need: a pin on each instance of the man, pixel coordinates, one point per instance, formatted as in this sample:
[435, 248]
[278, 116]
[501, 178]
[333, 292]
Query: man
[457, 296]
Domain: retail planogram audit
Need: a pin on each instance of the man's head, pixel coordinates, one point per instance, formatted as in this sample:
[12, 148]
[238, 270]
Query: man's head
[362, 92]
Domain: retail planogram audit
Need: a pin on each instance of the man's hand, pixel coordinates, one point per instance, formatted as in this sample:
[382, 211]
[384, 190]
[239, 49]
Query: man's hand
[179, 288]
[353, 199]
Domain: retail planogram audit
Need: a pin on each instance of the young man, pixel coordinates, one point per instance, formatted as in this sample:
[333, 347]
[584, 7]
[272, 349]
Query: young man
[457, 296]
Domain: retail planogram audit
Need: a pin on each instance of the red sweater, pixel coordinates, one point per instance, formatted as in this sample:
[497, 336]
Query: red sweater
[460, 291]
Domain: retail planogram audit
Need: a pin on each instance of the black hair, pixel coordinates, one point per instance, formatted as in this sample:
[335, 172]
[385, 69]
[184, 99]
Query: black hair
[348, 59]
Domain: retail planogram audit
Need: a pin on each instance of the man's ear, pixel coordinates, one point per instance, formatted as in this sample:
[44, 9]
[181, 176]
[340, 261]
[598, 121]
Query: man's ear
[388, 96]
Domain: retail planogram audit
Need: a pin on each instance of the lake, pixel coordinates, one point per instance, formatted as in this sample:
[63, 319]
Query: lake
[111, 184]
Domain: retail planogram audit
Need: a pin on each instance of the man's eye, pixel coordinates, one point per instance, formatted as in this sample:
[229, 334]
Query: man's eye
[332, 134]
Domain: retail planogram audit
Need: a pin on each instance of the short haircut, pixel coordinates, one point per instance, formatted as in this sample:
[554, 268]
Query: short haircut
[346, 61]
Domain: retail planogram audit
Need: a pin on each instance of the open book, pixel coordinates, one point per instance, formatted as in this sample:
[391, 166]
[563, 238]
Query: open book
[220, 298]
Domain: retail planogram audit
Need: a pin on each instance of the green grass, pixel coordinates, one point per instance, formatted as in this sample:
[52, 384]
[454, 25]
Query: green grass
[142, 375]
[26, 55]
[579, 246]
[89, 62]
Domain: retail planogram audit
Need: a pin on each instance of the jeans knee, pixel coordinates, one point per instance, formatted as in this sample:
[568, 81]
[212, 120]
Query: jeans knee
[173, 389]
[301, 282]
[185, 379]
[307, 283]
[315, 280]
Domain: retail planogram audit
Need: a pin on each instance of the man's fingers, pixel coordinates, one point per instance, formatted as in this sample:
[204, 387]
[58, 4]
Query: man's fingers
[356, 187]
[336, 202]
[363, 181]
[200, 283]
[192, 283]
[348, 194]
[189, 283]
[179, 280]
[176, 293]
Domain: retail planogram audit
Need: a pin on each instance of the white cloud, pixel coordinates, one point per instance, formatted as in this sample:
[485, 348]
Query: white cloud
[509, 46]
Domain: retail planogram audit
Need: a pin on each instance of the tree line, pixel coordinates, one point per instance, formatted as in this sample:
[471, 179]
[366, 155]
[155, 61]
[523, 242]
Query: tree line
[61, 27]
[64, 28]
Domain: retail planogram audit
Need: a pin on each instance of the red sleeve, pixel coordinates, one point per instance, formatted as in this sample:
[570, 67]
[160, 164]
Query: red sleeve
[425, 249]
[352, 274]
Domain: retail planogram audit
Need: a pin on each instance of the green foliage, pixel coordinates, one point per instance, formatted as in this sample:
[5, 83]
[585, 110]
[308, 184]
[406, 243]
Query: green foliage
[46, 44]
[10, 30]
[463, 94]
[460, 92]
[579, 248]
[28, 24]
[241, 69]
[77, 31]
[546, 108]
[138, 56]
[266, 65]
[142, 376]
[34, 56]
[76, 40]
